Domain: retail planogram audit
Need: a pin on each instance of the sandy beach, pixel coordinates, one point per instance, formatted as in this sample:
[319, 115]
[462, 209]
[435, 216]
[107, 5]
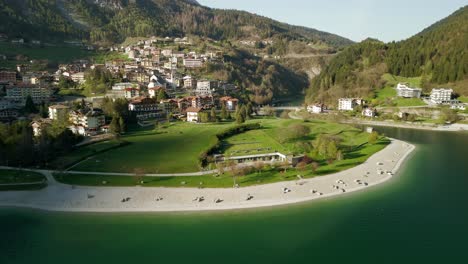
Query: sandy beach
[59, 197]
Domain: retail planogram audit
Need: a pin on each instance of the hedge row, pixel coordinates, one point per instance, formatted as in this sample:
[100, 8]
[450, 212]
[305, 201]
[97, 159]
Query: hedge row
[213, 148]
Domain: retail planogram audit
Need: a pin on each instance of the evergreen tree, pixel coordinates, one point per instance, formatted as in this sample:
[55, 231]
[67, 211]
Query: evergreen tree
[29, 106]
[240, 119]
[224, 113]
[43, 110]
[115, 126]
[249, 109]
[213, 116]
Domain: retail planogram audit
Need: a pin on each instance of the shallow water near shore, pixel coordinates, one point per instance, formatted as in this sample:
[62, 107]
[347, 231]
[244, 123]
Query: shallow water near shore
[420, 216]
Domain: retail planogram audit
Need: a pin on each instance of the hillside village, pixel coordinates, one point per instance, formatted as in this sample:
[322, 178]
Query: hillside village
[439, 98]
[156, 84]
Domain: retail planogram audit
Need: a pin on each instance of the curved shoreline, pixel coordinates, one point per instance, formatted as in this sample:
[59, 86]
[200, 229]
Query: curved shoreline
[64, 198]
[423, 126]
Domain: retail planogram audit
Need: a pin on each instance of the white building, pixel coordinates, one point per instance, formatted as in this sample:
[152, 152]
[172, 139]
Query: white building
[193, 63]
[205, 88]
[193, 114]
[369, 112]
[57, 112]
[316, 108]
[78, 77]
[123, 86]
[440, 96]
[404, 91]
[167, 53]
[229, 102]
[90, 121]
[461, 107]
[348, 104]
[190, 82]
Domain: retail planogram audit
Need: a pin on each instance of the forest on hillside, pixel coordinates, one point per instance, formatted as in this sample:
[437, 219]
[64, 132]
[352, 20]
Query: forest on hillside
[438, 55]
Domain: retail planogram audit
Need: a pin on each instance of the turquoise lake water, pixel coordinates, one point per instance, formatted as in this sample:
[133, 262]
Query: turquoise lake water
[420, 216]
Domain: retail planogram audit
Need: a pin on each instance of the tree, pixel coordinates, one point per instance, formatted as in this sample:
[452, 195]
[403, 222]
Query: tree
[162, 95]
[29, 106]
[249, 109]
[259, 166]
[213, 116]
[240, 118]
[204, 117]
[448, 116]
[224, 113]
[373, 137]
[293, 132]
[122, 125]
[43, 110]
[115, 126]
[332, 150]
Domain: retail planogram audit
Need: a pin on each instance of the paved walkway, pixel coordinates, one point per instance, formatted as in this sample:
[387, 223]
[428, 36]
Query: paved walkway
[50, 178]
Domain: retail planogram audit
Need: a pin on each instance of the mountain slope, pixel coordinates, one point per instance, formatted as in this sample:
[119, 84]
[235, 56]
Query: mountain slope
[439, 54]
[110, 21]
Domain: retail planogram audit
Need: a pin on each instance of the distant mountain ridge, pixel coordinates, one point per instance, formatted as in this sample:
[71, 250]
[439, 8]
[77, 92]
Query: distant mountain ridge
[110, 21]
[438, 54]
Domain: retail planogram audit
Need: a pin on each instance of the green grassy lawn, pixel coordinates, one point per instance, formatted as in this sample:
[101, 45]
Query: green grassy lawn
[53, 54]
[19, 176]
[82, 153]
[389, 91]
[269, 175]
[251, 143]
[463, 99]
[403, 102]
[393, 80]
[174, 149]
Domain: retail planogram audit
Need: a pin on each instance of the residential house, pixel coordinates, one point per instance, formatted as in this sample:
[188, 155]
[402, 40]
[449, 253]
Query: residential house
[18, 93]
[8, 114]
[5, 104]
[132, 92]
[348, 104]
[78, 77]
[39, 125]
[90, 120]
[190, 82]
[123, 86]
[124, 90]
[145, 108]
[193, 114]
[58, 112]
[183, 104]
[458, 106]
[193, 63]
[166, 52]
[369, 112]
[7, 77]
[316, 108]
[204, 102]
[440, 96]
[206, 88]
[229, 102]
[404, 91]
[169, 105]
[154, 88]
